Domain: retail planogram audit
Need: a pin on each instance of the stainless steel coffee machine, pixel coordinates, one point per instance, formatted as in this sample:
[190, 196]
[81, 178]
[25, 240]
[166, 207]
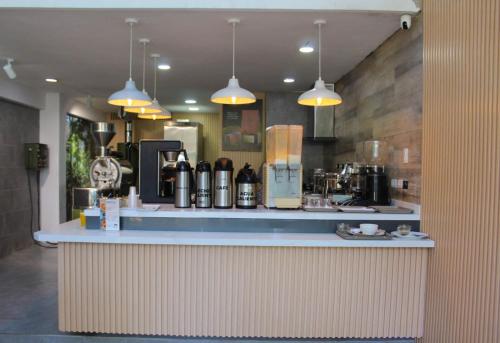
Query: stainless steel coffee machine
[105, 171]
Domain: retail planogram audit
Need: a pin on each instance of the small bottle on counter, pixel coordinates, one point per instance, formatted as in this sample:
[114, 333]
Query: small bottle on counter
[203, 185]
[246, 188]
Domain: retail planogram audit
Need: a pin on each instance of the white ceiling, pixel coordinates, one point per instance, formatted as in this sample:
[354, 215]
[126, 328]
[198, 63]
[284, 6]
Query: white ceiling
[87, 50]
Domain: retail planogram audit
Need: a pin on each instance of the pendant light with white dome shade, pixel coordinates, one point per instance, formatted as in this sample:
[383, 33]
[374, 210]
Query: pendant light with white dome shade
[319, 95]
[148, 108]
[130, 95]
[162, 112]
[233, 94]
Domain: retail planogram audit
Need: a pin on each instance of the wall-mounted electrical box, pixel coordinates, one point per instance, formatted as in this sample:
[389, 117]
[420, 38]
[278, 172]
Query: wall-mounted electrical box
[36, 156]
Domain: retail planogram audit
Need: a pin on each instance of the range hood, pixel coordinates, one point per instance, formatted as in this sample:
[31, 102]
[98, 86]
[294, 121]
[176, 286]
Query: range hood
[323, 125]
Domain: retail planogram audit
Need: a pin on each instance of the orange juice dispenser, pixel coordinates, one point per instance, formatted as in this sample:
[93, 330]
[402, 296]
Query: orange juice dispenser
[283, 168]
[270, 142]
[277, 145]
[295, 133]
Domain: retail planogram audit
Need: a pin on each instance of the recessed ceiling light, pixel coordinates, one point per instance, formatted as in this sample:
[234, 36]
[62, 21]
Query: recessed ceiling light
[288, 80]
[190, 101]
[306, 49]
[193, 108]
[164, 67]
[51, 80]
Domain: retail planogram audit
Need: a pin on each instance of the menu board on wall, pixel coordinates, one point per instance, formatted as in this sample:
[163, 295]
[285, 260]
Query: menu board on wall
[242, 127]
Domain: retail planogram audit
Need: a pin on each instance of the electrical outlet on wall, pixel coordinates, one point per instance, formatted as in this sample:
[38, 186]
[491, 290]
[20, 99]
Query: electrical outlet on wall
[406, 154]
[399, 184]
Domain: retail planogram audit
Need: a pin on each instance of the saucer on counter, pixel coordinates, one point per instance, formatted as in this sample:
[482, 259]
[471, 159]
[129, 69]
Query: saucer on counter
[356, 209]
[357, 232]
[145, 207]
[320, 208]
[411, 236]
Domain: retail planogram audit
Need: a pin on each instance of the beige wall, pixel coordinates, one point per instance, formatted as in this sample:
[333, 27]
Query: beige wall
[383, 100]
[461, 169]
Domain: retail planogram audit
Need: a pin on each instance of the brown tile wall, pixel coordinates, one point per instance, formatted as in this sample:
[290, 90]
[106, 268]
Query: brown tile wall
[382, 99]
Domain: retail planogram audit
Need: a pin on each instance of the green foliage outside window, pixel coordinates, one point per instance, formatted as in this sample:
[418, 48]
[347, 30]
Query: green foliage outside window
[79, 156]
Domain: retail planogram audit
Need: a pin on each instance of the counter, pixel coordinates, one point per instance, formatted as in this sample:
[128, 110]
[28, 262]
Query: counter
[71, 232]
[239, 284]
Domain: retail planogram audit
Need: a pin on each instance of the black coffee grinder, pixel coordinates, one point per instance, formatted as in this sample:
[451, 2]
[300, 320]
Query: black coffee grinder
[368, 182]
[377, 189]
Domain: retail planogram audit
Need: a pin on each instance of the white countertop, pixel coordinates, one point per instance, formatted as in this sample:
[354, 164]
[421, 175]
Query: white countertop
[169, 211]
[71, 232]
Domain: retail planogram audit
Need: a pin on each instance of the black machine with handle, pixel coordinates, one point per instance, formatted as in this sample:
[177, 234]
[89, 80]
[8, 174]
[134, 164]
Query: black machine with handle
[151, 154]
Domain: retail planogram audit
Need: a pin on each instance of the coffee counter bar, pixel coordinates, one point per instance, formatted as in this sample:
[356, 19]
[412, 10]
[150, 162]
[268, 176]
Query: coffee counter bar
[239, 273]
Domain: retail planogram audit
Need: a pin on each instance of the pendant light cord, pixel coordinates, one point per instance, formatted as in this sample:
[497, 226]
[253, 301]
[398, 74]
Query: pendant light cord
[319, 51]
[234, 43]
[144, 68]
[155, 59]
[130, 52]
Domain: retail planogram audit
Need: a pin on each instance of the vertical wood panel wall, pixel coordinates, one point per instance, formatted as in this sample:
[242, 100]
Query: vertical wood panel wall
[461, 169]
[242, 291]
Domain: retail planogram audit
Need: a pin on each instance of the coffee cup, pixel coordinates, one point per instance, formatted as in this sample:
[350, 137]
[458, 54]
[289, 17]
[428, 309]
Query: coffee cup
[404, 229]
[368, 229]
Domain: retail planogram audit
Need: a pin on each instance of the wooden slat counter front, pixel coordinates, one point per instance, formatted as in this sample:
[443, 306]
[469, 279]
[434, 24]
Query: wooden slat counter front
[238, 284]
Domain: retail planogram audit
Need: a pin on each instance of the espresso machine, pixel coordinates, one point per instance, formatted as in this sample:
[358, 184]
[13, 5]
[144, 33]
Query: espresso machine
[105, 171]
[157, 169]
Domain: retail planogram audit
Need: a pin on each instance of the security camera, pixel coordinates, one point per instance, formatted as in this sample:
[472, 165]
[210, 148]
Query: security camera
[405, 22]
[9, 70]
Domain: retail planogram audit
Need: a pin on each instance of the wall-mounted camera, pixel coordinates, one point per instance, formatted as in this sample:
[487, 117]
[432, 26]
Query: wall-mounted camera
[405, 22]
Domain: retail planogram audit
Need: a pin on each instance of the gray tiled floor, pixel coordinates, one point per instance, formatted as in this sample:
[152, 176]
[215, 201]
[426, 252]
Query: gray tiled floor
[28, 306]
[28, 291]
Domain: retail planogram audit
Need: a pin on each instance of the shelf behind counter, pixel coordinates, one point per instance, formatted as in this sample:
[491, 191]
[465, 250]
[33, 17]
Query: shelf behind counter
[169, 218]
